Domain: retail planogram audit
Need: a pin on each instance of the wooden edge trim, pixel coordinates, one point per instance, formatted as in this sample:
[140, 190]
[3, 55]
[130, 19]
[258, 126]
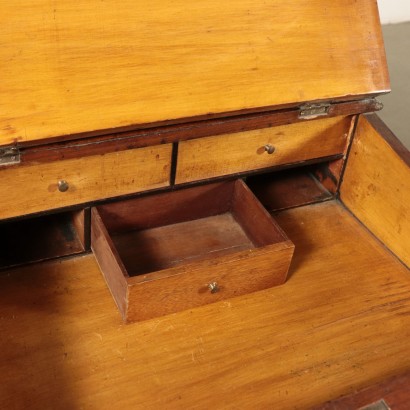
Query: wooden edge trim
[257, 222]
[78, 219]
[87, 229]
[368, 103]
[174, 161]
[109, 262]
[97, 223]
[349, 144]
[86, 145]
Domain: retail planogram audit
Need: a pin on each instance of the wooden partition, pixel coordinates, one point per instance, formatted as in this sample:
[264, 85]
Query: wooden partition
[376, 184]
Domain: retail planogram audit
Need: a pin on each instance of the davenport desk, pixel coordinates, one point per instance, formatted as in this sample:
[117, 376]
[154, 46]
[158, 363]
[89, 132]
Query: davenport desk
[200, 208]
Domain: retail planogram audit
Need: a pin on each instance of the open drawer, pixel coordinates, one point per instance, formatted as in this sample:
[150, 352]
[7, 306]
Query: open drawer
[173, 251]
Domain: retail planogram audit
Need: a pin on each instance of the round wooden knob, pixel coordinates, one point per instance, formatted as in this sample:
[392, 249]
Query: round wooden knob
[62, 185]
[213, 287]
[270, 149]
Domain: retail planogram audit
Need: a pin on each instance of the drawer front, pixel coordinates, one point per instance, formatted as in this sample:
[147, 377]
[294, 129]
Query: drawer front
[209, 281]
[35, 188]
[245, 151]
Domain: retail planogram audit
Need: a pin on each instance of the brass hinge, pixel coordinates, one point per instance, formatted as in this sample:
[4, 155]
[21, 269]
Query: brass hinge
[9, 155]
[309, 111]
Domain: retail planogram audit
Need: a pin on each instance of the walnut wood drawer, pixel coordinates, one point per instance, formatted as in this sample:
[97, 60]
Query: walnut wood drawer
[177, 250]
[235, 153]
[34, 188]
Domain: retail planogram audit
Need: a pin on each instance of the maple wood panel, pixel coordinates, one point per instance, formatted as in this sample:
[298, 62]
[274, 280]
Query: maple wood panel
[376, 185]
[34, 188]
[75, 66]
[244, 151]
[340, 323]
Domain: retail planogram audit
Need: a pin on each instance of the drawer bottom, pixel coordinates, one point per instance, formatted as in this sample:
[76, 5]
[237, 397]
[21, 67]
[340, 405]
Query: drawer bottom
[172, 245]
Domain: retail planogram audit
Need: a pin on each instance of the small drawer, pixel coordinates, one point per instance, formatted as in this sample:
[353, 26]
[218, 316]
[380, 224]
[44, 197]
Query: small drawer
[34, 188]
[177, 250]
[216, 156]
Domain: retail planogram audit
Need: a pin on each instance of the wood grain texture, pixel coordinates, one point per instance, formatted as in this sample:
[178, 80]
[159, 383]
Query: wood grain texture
[102, 142]
[232, 153]
[80, 226]
[164, 247]
[376, 186]
[394, 391]
[33, 188]
[71, 67]
[340, 323]
[261, 228]
[288, 189]
[165, 263]
[330, 173]
[186, 286]
[109, 261]
[168, 207]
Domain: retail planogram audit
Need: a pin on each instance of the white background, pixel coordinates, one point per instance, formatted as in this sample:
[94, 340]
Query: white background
[394, 11]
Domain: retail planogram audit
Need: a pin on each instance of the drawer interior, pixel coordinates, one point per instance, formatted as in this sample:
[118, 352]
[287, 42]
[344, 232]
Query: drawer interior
[149, 250]
[175, 228]
[41, 238]
[180, 249]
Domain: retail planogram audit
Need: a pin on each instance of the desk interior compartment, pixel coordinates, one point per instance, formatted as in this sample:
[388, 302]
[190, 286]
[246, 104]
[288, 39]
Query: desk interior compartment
[41, 238]
[293, 187]
[176, 250]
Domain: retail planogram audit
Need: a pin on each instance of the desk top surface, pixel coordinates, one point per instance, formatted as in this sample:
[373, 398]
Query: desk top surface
[342, 321]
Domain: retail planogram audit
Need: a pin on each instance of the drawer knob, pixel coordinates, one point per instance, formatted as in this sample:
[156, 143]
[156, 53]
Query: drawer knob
[62, 185]
[270, 149]
[213, 287]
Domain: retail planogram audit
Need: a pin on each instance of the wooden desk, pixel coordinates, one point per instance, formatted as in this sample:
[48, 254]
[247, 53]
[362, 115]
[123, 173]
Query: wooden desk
[341, 322]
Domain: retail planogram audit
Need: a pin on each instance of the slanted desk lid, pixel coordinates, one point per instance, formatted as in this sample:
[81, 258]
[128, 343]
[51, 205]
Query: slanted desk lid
[69, 67]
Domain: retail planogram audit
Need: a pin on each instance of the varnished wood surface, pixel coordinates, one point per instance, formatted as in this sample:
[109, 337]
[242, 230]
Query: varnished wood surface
[165, 208]
[340, 323]
[394, 391]
[100, 142]
[376, 186]
[187, 286]
[288, 189]
[231, 153]
[34, 188]
[217, 233]
[177, 244]
[86, 65]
